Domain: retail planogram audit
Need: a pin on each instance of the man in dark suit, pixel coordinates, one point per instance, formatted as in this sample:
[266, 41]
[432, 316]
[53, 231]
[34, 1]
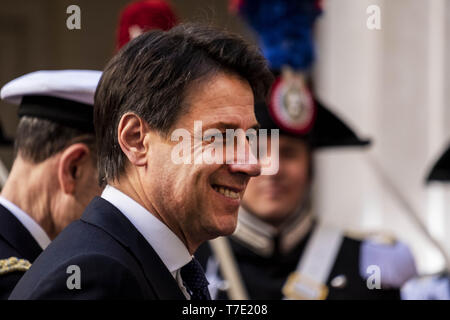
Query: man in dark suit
[137, 240]
[53, 174]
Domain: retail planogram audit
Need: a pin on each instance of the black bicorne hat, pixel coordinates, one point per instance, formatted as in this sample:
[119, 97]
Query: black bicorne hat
[441, 169]
[303, 116]
[331, 131]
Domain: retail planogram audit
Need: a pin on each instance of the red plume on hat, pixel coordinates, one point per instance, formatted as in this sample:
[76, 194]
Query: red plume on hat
[141, 16]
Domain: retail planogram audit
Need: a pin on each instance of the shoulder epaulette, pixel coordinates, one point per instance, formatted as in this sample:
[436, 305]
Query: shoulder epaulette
[381, 237]
[13, 264]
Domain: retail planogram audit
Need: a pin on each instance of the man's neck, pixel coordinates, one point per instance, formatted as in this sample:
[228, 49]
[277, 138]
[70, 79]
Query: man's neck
[138, 195]
[27, 187]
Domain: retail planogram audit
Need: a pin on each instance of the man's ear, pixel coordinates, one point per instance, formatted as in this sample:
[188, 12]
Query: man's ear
[69, 166]
[131, 134]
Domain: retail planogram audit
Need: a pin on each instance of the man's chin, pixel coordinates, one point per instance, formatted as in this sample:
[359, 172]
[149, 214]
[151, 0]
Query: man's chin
[222, 230]
[272, 216]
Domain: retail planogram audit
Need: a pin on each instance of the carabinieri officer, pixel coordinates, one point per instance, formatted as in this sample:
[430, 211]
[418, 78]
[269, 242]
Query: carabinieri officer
[280, 249]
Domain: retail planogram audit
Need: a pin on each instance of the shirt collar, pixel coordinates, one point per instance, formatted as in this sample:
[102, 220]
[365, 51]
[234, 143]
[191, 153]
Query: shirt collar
[32, 226]
[167, 245]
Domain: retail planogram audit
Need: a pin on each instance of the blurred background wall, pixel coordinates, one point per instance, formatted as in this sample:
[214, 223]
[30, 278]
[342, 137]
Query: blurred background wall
[390, 84]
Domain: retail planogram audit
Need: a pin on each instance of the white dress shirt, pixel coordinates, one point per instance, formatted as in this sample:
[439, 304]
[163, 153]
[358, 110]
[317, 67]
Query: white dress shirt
[32, 226]
[171, 250]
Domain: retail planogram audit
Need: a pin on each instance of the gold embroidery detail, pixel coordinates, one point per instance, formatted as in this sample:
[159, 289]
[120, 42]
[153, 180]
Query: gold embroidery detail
[13, 264]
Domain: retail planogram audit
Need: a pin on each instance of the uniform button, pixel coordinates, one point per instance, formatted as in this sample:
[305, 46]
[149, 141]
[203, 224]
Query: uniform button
[223, 285]
[339, 281]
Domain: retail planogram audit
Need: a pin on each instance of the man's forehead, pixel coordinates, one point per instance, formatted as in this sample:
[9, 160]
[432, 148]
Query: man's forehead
[224, 101]
[291, 142]
[228, 116]
[222, 89]
[224, 124]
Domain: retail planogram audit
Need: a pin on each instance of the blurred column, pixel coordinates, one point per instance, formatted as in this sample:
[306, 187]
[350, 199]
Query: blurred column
[437, 138]
[389, 84]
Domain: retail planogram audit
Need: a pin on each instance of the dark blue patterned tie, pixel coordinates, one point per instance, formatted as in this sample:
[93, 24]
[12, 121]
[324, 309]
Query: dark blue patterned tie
[195, 281]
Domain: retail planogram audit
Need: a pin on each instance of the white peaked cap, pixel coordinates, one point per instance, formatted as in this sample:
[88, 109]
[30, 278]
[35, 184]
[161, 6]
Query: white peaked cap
[74, 85]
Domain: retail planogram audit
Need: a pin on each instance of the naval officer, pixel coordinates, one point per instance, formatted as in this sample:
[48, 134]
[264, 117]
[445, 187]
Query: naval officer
[53, 176]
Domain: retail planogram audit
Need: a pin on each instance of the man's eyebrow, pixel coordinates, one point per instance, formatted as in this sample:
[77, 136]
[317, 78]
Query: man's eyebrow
[256, 126]
[228, 125]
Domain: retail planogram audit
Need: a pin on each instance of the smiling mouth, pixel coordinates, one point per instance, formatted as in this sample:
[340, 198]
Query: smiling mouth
[227, 192]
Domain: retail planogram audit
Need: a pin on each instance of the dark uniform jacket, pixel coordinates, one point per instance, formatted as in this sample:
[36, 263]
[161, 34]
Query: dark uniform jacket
[114, 259]
[265, 276]
[15, 242]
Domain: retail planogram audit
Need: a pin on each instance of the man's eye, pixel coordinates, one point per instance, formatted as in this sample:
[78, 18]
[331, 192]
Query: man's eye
[216, 138]
[251, 137]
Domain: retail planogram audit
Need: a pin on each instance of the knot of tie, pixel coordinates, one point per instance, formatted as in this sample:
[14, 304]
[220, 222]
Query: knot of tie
[195, 281]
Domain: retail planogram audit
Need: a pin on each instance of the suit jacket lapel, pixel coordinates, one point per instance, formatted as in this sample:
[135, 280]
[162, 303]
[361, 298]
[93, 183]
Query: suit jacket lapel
[106, 216]
[18, 236]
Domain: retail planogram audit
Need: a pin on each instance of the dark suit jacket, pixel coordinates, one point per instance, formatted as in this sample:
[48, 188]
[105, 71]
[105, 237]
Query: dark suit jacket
[15, 241]
[115, 260]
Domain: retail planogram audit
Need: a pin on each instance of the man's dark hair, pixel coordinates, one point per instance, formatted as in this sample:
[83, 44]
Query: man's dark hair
[39, 139]
[152, 75]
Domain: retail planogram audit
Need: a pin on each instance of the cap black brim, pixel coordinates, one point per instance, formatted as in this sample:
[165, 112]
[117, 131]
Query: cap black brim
[331, 131]
[441, 169]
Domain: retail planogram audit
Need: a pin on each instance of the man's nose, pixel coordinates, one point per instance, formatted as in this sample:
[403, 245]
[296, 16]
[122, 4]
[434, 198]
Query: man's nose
[245, 162]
